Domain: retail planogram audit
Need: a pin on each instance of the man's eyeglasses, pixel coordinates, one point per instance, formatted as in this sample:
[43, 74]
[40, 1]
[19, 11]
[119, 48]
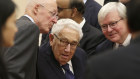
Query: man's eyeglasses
[53, 14]
[111, 25]
[64, 42]
[60, 9]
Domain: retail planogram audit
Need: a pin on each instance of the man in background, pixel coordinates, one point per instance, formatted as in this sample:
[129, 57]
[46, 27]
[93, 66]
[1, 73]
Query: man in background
[91, 12]
[21, 59]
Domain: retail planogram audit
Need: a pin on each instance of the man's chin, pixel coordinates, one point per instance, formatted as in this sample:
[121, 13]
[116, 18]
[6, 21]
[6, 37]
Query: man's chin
[45, 31]
[63, 62]
[114, 40]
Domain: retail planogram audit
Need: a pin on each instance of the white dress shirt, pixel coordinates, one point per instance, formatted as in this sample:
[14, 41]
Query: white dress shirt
[125, 43]
[70, 66]
[30, 18]
[84, 1]
[82, 23]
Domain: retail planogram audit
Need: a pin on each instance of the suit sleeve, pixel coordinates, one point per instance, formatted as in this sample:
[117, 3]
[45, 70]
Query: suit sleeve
[21, 58]
[92, 69]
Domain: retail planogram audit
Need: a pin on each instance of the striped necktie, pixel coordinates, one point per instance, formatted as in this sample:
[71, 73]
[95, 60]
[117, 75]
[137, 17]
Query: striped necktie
[68, 73]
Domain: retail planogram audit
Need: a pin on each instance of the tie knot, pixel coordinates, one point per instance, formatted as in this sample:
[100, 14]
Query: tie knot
[66, 67]
[68, 73]
[120, 45]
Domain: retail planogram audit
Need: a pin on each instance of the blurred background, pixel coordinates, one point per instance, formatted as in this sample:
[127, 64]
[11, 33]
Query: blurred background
[22, 3]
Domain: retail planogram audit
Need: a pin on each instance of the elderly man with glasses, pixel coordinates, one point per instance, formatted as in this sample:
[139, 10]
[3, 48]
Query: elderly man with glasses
[112, 18]
[61, 58]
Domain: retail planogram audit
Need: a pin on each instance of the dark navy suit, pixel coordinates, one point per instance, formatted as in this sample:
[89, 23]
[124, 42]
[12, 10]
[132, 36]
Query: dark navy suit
[91, 12]
[104, 46]
[123, 63]
[3, 69]
[92, 37]
[49, 67]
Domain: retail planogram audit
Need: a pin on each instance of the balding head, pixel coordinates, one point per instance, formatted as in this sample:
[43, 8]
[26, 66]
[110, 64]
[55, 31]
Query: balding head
[43, 12]
[32, 3]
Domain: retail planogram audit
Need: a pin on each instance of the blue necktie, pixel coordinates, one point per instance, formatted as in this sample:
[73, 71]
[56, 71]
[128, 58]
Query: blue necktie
[68, 73]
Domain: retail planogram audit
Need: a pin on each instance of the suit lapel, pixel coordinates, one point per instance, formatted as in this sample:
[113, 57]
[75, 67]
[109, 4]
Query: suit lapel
[56, 66]
[76, 67]
[110, 44]
[87, 3]
[85, 29]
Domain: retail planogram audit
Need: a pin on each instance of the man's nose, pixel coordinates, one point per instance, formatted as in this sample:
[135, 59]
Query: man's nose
[109, 29]
[67, 49]
[55, 19]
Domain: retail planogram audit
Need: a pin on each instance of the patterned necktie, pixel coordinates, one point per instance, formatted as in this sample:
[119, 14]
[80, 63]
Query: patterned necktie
[68, 73]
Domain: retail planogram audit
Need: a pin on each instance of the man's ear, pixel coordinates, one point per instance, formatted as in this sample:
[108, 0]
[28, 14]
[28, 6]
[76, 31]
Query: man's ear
[74, 12]
[51, 37]
[36, 9]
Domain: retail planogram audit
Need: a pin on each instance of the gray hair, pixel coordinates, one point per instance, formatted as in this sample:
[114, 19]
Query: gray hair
[110, 7]
[66, 23]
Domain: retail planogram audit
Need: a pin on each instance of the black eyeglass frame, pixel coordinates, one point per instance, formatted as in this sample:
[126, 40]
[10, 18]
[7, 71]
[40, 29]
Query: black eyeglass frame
[111, 25]
[66, 43]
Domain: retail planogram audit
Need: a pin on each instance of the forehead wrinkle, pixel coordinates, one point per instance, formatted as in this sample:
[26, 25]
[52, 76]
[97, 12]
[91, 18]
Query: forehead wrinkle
[50, 5]
[111, 16]
[66, 37]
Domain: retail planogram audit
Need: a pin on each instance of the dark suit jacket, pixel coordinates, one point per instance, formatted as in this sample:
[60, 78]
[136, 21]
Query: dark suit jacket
[49, 68]
[21, 58]
[45, 38]
[3, 69]
[91, 12]
[91, 38]
[123, 63]
[104, 46]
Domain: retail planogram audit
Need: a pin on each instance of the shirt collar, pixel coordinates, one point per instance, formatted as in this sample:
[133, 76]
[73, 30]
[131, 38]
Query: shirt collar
[82, 23]
[84, 1]
[29, 18]
[70, 66]
[126, 42]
